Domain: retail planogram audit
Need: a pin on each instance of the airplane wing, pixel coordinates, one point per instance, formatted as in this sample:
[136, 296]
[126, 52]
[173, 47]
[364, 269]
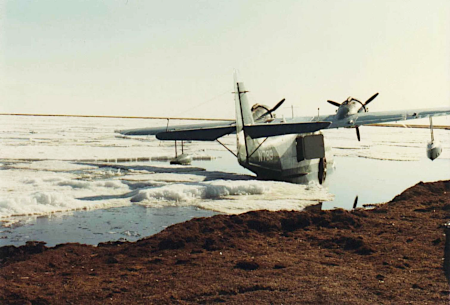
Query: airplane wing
[197, 134]
[276, 127]
[365, 118]
[176, 128]
[213, 131]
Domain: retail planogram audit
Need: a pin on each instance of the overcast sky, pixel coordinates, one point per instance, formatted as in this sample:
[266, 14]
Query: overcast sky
[176, 57]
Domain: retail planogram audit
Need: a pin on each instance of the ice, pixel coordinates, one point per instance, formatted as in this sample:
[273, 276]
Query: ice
[52, 164]
[383, 143]
[75, 184]
[234, 196]
[71, 138]
[206, 190]
[166, 177]
[42, 203]
[35, 189]
[58, 138]
[37, 203]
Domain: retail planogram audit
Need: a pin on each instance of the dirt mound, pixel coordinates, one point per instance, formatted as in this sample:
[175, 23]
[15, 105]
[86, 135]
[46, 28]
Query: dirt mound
[226, 231]
[12, 253]
[421, 190]
[390, 254]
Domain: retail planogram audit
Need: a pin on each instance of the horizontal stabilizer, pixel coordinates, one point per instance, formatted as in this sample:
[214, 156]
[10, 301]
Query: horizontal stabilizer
[201, 134]
[271, 130]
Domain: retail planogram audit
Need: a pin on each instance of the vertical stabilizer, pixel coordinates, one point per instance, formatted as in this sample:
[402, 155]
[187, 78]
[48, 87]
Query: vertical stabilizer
[245, 144]
[243, 112]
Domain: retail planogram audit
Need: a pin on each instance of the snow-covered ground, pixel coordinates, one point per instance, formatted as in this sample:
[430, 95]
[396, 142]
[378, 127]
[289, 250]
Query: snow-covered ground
[54, 164]
[50, 165]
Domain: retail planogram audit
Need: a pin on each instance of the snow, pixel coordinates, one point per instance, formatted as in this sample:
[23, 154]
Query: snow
[235, 196]
[54, 164]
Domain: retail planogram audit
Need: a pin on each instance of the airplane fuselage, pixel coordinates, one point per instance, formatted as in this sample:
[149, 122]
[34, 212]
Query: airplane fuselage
[296, 158]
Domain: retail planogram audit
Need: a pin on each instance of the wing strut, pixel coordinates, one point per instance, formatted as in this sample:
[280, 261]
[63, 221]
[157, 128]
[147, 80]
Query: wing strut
[431, 129]
[182, 159]
[226, 147]
[257, 147]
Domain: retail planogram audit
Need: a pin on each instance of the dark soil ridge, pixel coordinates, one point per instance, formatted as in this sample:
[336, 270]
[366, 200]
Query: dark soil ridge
[391, 254]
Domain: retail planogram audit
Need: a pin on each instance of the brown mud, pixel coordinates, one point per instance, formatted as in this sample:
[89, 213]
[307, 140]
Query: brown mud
[392, 254]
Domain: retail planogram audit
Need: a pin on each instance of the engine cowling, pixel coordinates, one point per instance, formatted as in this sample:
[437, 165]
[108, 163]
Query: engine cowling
[258, 110]
[350, 107]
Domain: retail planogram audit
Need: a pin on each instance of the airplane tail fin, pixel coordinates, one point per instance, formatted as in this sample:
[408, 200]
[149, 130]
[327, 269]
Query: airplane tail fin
[244, 116]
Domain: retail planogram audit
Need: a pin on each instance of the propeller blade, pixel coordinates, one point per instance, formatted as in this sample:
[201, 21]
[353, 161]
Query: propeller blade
[334, 103]
[272, 110]
[371, 99]
[357, 134]
[277, 106]
[355, 203]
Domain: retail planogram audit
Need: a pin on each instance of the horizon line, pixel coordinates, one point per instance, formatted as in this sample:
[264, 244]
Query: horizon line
[115, 117]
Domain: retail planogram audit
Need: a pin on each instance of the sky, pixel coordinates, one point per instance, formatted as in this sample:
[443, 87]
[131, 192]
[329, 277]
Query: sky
[177, 57]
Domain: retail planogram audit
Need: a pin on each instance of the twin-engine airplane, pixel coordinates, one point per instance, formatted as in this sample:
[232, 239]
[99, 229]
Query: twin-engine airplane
[286, 149]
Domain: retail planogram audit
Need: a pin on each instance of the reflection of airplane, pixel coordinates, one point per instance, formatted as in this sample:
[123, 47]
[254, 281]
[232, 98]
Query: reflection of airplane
[285, 149]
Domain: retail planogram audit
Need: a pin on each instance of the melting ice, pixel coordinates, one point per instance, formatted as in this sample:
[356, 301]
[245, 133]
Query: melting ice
[55, 164]
[234, 196]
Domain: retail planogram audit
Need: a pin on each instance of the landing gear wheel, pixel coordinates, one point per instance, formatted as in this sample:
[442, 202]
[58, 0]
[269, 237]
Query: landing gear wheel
[322, 170]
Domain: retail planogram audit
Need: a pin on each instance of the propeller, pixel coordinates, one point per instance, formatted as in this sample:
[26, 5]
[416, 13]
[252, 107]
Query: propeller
[368, 101]
[364, 105]
[357, 134]
[371, 98]
[355, 203]
[334, 103]
[272, 110]
[365, 110]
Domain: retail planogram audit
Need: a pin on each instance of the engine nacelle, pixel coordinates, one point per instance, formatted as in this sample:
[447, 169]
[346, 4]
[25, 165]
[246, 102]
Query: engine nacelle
[434, 149]
[258, 110]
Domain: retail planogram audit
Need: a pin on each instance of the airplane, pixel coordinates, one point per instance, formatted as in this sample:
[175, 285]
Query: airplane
[285, 149]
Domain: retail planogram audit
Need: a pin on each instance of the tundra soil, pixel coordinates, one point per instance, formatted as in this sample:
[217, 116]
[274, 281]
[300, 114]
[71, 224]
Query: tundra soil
[392, 254]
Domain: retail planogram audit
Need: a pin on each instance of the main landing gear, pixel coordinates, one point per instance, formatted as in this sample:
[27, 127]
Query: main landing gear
[322, 170]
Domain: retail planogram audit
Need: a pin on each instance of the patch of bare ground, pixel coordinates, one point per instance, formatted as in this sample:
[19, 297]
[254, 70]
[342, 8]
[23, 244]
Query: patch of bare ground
[389, 255]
